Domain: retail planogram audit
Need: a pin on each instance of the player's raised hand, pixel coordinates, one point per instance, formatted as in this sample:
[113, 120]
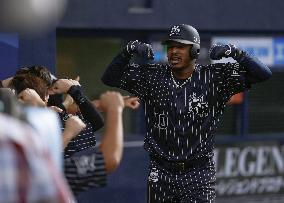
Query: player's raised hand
[111, 100]
[140, 49]
[68, 101]
[131, 102]
[219, 51]
[30, 97]
[63, 85]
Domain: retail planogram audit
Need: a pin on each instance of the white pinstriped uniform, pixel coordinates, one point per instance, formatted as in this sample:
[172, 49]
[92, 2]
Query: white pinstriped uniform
[181, 119]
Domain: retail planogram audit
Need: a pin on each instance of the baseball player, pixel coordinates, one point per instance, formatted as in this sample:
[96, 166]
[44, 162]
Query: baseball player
[183, 104]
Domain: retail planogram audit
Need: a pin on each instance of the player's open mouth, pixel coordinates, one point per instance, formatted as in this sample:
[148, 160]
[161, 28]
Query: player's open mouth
[175, 60]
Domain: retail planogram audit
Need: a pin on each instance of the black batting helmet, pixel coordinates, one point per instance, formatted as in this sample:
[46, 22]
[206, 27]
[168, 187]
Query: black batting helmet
[185, 34]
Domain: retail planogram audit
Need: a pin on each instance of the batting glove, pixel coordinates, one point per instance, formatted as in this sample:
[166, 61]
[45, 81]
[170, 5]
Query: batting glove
[219, 51]
[140, 49]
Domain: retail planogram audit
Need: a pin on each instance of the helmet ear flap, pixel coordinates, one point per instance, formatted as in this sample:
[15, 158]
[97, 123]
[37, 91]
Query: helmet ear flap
[194, 52]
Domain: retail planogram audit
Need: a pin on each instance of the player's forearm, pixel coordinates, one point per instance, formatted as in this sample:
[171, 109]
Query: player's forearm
[258, 71]
[67, 137]
[114, 71]
[112, 141]
[39, 103]
[87, 109]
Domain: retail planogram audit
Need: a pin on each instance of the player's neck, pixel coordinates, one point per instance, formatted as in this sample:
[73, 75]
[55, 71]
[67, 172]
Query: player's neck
[184, 73]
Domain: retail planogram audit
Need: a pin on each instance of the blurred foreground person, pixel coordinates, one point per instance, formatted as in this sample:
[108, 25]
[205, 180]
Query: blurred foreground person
[30, 18]
[28, 171]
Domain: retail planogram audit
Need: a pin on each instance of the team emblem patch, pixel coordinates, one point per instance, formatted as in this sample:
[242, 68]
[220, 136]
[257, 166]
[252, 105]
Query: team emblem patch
[197, 105]
[84, 164]
[153, 175]
[175, 30]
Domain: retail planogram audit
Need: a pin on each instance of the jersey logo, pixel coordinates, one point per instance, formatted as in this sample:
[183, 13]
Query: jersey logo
[235, 73]
[153, 176]
[196, 40]
[162, 121]
[175, 30]
[198, 106]
[84, 164]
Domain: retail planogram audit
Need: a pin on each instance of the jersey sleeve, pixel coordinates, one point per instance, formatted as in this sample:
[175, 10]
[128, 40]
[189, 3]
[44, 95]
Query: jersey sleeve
[121, 73]
[88, 110]
[134, 80]
[231, 78]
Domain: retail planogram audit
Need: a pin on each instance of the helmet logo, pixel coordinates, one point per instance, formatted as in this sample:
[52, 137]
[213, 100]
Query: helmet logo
[196, 40]
[175, 30]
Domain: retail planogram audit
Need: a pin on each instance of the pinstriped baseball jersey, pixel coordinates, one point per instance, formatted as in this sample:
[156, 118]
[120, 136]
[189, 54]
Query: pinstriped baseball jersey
[84, 140]
[181, 116]
[85, 170]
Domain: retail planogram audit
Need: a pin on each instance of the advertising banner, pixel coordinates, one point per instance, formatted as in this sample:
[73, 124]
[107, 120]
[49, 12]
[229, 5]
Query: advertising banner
[250, 169]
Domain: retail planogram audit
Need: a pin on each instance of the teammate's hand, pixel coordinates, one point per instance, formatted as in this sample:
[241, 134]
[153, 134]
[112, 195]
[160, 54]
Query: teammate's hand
[68, 101]
[74, 125]
[30, 97]
[219, 51]
[62, 86]
[131, 102]
[55, 109]
[111, 101]
[140, 49]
